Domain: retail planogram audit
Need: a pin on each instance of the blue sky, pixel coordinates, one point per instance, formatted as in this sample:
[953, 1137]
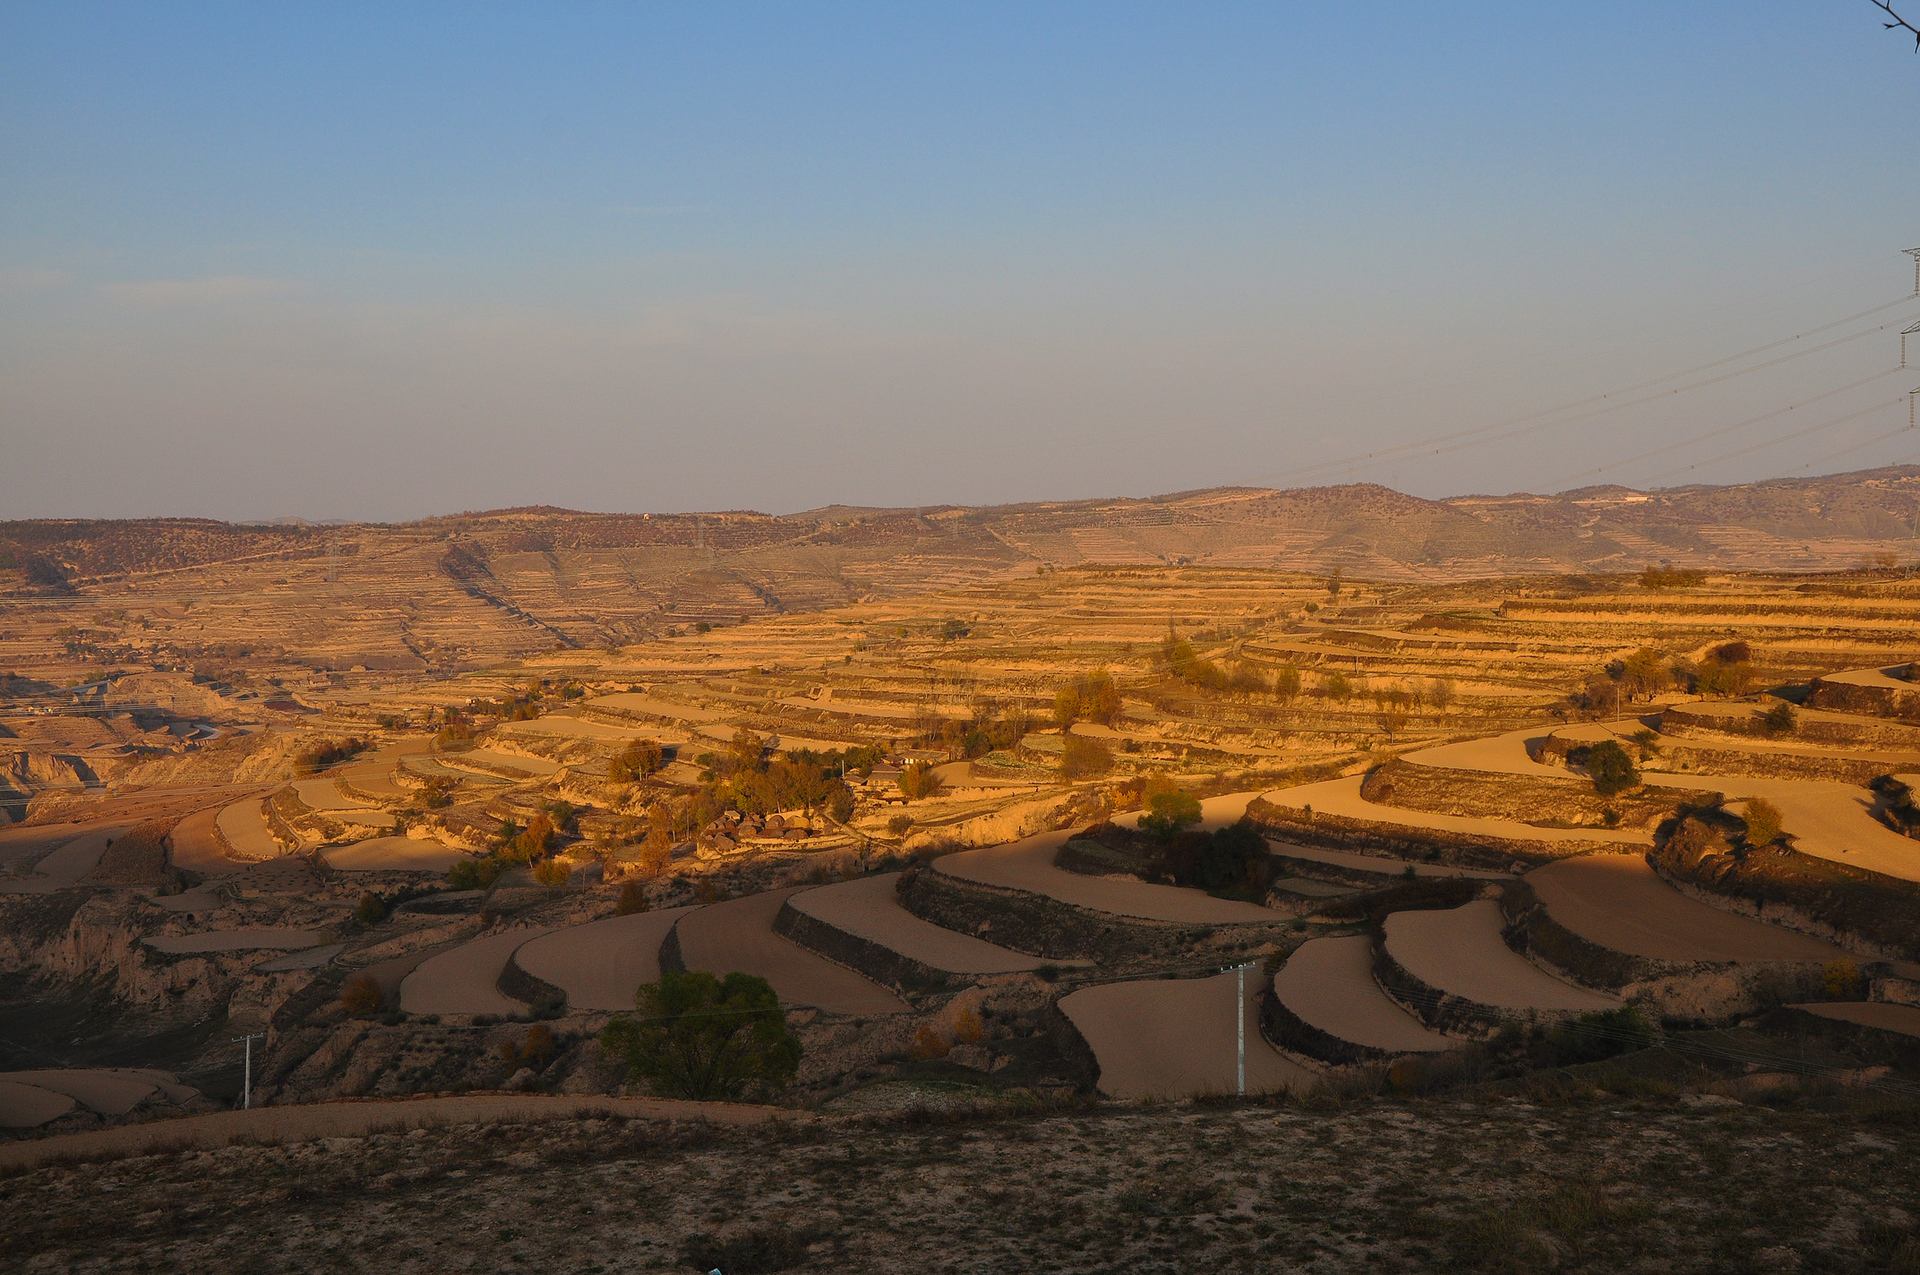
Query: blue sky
[390, 260]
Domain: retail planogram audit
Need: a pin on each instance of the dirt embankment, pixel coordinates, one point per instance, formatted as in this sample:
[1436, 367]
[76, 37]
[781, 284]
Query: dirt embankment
[1544, 800]
[1864, 911]
[1416, 845]
[1041, 926]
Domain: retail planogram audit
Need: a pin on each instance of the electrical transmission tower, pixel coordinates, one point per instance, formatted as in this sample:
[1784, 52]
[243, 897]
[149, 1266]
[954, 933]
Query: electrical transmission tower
[1904, 334]
[1915, 254]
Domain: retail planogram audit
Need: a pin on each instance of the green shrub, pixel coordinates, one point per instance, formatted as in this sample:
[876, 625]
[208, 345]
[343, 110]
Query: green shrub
[706, 1038]
[1608, 765]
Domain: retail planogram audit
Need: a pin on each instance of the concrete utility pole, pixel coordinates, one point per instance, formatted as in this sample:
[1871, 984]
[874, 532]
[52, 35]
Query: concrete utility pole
[246, 1077]
[1240, 1027]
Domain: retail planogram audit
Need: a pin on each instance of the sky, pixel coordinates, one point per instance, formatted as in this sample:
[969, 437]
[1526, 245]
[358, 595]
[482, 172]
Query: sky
[390, 260]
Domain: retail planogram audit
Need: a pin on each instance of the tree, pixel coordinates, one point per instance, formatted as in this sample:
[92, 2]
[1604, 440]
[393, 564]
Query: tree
[533, 841]
[1609, 767]
[744, 752]
[1644, 672]
[706, 1038]
[839, 803]
[1392, 721]
[1168, 813]
[1762, 818]
[1440, 693]
[918, 781]
[475, 874]
[1286, 683]
[1780, 719]
[1066, 707]
[552, 873]
[1337, 687]
[639, 759]
[1081, 757]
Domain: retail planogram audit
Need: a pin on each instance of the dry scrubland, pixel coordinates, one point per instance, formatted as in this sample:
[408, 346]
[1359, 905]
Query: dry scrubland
[445, 883]
[1515, 1184]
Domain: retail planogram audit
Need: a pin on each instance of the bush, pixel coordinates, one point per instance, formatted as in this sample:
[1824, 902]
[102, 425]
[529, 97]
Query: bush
[633, 898]
[361, 996]
[897, 826]
[1611, 770]
[536, 1049]
[325, 754]
[370, 910]
[1232, 860]
[706, 1038]
[967, 1027]
[1762, 818]
[552, 873]
[929, 1044]
[1081, 757]
[918, 781]
[1841, 981]
[1168, 813]
[1780, 719]
[475, 874]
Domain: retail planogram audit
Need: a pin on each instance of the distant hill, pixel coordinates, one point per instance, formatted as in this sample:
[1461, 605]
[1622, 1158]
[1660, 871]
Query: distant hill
[544, 576]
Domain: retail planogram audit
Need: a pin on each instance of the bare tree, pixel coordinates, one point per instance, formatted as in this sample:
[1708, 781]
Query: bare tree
[1898, 23]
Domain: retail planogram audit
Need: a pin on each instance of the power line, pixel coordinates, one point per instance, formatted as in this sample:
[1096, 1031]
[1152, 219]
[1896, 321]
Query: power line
[1716, 432]
[1540, 419]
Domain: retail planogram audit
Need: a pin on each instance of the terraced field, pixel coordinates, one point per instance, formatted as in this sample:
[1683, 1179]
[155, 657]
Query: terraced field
[1171, 1038]
[1459, 953]
[739, 935]
[602, 964]
[1430, 747]
[1621, 903]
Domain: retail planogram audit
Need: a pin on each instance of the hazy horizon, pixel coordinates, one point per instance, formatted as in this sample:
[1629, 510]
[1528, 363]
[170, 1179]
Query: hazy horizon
[380, 264]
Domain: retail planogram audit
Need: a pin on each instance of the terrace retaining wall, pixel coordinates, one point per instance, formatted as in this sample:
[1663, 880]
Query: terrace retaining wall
[861, 955]
[1572, 801]
[1041, 926]
[1419, 845]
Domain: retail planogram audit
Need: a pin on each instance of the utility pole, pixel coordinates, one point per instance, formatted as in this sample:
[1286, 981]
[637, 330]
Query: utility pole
[246, 1078]
[1240, 1027]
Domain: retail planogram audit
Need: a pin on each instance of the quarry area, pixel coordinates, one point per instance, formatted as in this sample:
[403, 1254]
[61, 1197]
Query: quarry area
[1044, 861]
